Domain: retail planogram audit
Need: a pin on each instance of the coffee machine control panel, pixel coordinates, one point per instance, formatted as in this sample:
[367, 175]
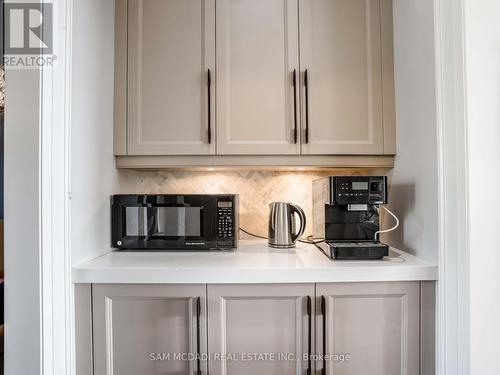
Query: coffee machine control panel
[351, 190]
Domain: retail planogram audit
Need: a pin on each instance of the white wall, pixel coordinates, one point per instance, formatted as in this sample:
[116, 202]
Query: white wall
[413, 194]
[93, 174]
[22, 223]
[482, 31]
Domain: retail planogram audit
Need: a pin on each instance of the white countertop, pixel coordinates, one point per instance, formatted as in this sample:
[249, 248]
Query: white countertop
[253, 262]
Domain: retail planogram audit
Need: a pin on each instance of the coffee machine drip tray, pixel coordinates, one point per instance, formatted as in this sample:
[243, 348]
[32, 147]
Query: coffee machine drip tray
[355, 250]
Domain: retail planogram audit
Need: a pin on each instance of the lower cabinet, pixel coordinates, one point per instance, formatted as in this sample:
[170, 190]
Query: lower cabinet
[138, 329]
[273, 323]
[278, 329]
[368, 328]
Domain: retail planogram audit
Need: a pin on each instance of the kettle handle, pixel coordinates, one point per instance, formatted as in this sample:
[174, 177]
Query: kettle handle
[302, 216]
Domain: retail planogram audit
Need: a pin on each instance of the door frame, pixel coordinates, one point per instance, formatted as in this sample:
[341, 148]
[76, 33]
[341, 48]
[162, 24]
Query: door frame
[452, 336]
[39, 326]
[57, 291]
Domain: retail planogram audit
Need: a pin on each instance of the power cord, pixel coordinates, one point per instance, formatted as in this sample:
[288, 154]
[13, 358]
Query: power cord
[312, 241]
[252, 234]
[377, 234]
[309, 239]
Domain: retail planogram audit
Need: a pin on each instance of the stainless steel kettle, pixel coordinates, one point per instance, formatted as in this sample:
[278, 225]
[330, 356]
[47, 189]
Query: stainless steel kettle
[283, 232]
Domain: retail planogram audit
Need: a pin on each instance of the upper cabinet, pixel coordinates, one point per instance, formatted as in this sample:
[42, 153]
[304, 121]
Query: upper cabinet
[171, 55]
[340, 45]
[302, 79]
[257, 58]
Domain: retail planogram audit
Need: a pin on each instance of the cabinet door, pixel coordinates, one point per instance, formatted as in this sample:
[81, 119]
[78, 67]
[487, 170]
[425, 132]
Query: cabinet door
[267, 320]
[375, 324]
[340, 45]
[257, 53]
[139, 328]
[171, 48]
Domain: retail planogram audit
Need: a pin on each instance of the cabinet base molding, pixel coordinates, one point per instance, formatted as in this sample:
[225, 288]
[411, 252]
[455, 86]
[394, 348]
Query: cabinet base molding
[254, 162]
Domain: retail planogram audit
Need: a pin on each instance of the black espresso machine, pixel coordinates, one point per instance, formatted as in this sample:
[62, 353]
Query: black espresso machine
[346, 215]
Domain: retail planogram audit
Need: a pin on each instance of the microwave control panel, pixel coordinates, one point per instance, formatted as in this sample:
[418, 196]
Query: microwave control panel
[225, 222]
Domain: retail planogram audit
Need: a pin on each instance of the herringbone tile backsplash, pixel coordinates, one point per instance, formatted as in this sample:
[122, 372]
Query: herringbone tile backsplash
[256, 189]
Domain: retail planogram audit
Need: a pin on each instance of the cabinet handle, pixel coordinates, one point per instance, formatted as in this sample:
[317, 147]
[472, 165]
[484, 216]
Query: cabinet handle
[295, 106]
[209, 84]
[306, 84]
[198, 335]
[323, 314]
[309, 335]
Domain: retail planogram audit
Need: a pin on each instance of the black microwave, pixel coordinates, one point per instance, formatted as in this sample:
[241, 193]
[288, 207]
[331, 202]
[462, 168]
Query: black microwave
[174, 222]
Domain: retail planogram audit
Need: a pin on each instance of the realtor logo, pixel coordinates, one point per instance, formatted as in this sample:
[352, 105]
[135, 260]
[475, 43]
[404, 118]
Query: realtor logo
[28, 29]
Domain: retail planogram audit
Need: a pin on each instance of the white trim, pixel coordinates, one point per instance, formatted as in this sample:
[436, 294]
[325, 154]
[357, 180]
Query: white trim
[23, 248]
[69, 263]
[452, 298]
[57, 291]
